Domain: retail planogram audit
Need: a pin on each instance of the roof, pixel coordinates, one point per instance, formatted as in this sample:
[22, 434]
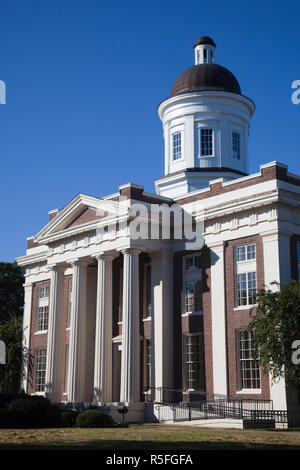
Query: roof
[206, 77]
[204, 40]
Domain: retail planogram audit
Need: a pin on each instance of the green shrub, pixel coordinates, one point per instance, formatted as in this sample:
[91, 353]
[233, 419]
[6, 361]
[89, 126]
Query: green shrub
[68, 418]
[94, 419]
[5, 418]
[6, 398]
[35, 411]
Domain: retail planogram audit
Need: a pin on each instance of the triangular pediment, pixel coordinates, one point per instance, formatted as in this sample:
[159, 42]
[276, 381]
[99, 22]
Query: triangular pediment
[83, 212]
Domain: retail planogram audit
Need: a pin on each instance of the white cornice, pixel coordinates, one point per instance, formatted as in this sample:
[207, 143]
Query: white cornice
[185, 98]
[32, 259]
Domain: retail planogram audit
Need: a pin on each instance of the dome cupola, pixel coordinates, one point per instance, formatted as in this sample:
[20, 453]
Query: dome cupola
[206, 124]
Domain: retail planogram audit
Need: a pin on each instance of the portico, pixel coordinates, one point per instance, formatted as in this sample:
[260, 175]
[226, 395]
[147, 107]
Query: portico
[93, 307]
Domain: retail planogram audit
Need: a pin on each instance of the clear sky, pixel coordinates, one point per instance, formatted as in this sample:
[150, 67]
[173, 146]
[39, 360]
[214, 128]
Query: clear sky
[84, 79]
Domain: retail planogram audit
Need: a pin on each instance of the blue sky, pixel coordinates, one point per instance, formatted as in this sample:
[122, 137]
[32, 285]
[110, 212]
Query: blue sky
[84, 79]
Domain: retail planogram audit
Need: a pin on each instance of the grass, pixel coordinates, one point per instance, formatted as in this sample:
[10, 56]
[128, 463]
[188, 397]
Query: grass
[148, 437]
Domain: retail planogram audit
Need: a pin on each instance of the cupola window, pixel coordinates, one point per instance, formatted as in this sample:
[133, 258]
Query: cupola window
[236, 146]
[206, 142]
[176, 145]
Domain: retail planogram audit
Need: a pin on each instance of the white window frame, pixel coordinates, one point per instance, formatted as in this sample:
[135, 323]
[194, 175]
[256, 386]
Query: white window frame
[42, 303]
[43, 311]
[41, 392]
[240, 361]
[44, 292]
[178, 145]
[237, 129]
[207, 124]
[244, 267]
[232, 145]
[148, 363]
[178, 128]
[193, 275]
[200, 362]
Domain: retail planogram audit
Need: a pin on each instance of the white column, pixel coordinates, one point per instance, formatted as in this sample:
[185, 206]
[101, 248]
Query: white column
[277, 255]
[76, 372]
[26, 329]
[218, 313]
[277, 267]
[103, 338]
[162, 322]
[130, 363]
[55, 331]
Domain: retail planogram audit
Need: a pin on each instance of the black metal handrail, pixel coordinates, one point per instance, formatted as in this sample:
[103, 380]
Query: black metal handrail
[170, 395]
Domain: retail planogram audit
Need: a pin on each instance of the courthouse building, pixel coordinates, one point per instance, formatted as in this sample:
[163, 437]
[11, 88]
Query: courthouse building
[111, 318]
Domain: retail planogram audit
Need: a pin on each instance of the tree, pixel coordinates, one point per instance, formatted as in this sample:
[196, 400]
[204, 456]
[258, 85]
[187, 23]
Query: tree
[11, 326]
[275, 326]
[11, 291]
[11, 373]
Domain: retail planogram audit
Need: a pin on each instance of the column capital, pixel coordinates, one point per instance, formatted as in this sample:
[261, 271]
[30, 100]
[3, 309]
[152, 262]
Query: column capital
[57, 267]
[104, 256]
[79, 262]
[131, 251]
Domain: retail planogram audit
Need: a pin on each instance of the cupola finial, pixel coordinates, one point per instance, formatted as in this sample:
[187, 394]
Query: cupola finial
[204, 50]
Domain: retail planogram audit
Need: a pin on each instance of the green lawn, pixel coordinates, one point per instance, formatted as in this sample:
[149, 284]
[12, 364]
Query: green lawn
[148, 436]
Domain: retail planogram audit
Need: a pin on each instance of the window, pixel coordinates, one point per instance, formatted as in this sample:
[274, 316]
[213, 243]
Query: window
[176, 145]
[245, 253]
[69, 303]
[42, 309]
[194, 362]
[205, 56]
[249, 372]
[148, 364]
[206, 142]
[193, 297]
[192, 263]
[147, 291]
[66, 368]
[193, 284]
[246, 281]
[40, 370]
[43, 292]
[42, 320]
[236, 146]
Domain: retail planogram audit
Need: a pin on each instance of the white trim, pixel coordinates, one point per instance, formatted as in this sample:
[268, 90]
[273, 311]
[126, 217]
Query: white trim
[192, 314]
[249, 391]
[245, 307]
